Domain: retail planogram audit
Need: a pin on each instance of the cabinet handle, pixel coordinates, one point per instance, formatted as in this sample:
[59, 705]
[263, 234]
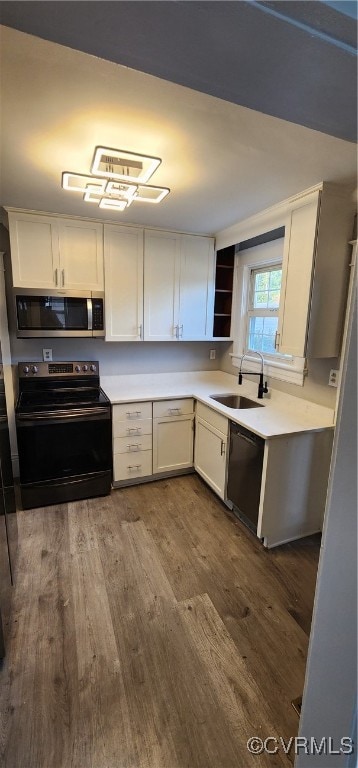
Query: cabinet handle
[134, 430]
[277, 340]
[176, 331]
[56, 277]
[63, 277]
[181, 331]
[222, 450]
[133, 466]
[134, 414]
[175, 410]
[140, 329]
[133, 447]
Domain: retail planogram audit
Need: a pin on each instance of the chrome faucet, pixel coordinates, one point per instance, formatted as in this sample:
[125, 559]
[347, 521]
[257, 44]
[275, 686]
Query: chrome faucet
[263, 388]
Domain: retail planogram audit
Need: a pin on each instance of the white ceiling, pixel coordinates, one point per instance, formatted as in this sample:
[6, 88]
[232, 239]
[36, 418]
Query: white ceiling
[223, 162]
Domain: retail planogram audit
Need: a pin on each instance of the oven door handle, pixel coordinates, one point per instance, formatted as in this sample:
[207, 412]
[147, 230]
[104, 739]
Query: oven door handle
[51, 417]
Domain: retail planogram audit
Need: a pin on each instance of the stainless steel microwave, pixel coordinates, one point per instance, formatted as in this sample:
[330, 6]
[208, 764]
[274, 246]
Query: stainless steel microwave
[41, 313]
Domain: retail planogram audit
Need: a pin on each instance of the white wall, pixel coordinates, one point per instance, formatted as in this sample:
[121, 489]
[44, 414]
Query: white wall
[329, 701]
[119, 357]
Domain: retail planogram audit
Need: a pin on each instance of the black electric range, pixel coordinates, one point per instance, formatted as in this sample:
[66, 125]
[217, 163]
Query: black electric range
[63, 422]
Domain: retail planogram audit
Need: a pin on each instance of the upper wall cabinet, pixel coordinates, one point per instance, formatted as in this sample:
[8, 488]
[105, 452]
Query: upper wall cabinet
[161, 285]
[81, 254]
[35, 253]
[197, 283]
[178, 286]
[315, 274]
[55, 252]
[123, 265]
[318, 225]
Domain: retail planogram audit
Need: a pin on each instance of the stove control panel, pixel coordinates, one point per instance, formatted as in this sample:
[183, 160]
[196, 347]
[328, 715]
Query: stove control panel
[47, 370]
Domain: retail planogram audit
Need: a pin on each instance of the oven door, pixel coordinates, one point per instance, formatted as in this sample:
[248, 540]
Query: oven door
[59, 446]
[59, 313]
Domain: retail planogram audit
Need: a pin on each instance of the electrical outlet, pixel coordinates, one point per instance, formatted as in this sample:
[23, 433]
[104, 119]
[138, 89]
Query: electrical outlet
[47, 355]
[333, 378]
[212, 354]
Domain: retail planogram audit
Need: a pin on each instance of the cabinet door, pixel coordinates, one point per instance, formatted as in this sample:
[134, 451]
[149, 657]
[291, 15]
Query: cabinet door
[172, 443]
[161, 285]
[210, 456]
[34, 250]
[81, 254]
[197, 280]
[297, 271]
[123, 264]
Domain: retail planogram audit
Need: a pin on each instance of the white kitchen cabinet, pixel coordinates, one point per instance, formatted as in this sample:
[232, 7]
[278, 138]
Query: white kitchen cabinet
[132, 442]
[197, 284]
[178, 287]
[81, 254]
[173, 435]
[294, 486]
[123, 265]
[211, 442]
[315, 273]
[55, 252]
[35, 255]
[161, 285]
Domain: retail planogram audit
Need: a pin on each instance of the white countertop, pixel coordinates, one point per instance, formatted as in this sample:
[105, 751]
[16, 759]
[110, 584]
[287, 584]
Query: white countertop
[281, 415]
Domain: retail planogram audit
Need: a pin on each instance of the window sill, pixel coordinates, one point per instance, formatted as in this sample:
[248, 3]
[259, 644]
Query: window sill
[293, 373]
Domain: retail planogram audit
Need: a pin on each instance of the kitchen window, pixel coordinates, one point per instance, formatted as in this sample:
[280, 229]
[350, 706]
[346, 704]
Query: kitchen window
[257, 292]
[263, 308]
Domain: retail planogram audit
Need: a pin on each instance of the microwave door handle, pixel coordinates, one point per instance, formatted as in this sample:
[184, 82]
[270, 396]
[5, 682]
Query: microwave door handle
[89, 314]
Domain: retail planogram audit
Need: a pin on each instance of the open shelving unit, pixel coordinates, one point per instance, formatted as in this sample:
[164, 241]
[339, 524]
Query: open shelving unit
[224, 279]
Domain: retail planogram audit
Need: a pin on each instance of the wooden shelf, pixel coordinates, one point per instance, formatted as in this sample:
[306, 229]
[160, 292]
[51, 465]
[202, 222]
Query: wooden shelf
[224, 279]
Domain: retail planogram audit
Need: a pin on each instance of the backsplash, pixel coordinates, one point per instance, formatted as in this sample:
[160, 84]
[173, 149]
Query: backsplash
[315, 388]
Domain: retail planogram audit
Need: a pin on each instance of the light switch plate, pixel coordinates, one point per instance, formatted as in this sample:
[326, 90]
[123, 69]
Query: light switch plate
[47, 355]
[212, 354]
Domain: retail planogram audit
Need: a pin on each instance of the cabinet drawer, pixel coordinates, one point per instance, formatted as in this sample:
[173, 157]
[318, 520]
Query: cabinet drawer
[132, 428]
[132, 411]
[173, 407]
[212, 417]
[128, 467]
[132, 444]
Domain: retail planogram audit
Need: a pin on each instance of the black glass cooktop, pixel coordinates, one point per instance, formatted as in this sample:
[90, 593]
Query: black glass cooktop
[56, 399]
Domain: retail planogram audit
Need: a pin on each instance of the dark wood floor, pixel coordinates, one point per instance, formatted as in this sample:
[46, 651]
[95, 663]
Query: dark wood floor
[152, 630]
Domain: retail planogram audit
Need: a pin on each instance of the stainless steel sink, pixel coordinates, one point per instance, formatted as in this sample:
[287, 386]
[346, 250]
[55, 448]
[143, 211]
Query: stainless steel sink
[237, 402]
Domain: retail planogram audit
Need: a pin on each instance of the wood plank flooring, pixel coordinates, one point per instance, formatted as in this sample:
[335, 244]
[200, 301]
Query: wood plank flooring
[150, 629]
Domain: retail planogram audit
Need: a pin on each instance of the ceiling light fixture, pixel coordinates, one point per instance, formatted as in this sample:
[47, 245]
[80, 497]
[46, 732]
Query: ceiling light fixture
[118, 179]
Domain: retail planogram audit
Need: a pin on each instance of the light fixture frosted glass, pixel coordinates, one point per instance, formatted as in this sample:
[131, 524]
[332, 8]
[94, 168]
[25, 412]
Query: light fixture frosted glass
[79, 182]
[148, 194]
[113, 205]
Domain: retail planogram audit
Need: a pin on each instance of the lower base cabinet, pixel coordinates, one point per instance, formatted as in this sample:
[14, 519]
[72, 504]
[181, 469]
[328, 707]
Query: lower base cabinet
[211, 440]
[173, 435]
[152, 439]
[132, 441]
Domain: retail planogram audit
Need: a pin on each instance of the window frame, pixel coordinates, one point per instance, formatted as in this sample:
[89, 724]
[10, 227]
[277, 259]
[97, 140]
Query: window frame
[252, 311]
[281, 367]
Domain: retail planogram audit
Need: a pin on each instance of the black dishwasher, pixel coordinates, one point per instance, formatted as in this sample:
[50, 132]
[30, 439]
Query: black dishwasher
[244, 474]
